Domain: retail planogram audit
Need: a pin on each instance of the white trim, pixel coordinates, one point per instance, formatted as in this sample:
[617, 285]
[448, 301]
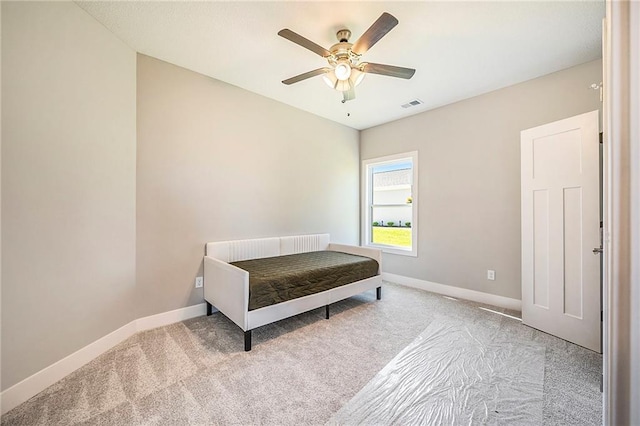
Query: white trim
[461, 293]
[171, 317]
[32, 385]
[36, 383]
[365, 202]
[606, 214]
[622, 225]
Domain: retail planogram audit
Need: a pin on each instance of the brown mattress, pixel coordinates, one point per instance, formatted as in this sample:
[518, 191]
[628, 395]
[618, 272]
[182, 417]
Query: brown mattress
[278, 279]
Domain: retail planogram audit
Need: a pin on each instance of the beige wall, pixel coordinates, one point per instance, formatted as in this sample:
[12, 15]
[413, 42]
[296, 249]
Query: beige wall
[216, 162]
[68, 184]
[469, 154]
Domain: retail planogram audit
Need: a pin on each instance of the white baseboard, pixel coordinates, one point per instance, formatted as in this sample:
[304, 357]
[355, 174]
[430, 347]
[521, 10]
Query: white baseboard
[171, 317]
[458, 292]
[36, 383]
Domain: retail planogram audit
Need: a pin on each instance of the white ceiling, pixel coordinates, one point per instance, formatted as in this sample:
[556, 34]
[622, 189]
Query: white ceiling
[459, 49]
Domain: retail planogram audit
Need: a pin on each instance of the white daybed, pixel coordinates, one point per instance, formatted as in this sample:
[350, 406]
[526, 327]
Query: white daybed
[226, 287]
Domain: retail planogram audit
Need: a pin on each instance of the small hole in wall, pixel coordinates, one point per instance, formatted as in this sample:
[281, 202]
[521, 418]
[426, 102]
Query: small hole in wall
[348, 114]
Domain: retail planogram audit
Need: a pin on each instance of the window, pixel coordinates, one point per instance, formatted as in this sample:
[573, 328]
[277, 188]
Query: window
[390, 203]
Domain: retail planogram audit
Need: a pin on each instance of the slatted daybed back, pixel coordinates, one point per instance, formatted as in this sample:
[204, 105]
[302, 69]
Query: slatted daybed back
[303, 243]
[235, 251]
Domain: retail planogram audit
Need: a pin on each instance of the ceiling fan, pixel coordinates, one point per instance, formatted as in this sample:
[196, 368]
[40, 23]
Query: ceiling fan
[345, 71]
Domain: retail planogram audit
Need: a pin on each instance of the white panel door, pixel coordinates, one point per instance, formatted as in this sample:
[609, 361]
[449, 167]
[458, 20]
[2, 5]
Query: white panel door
[560, 229]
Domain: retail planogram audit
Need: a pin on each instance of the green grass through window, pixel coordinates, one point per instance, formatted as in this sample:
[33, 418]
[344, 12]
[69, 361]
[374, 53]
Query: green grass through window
[392, 236]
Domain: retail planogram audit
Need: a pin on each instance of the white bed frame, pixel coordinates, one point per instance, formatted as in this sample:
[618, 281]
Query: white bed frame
[226, 287]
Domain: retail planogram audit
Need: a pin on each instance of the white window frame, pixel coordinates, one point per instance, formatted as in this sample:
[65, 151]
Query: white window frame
[366, 190]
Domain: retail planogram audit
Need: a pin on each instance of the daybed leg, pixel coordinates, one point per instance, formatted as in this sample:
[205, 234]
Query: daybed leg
[247, 340]
[379, 293]
[326, 311]
[209, 308]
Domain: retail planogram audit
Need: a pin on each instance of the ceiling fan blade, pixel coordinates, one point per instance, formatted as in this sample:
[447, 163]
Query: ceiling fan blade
[389, 70]
[307, 44]
[376, 31]
[306, 75]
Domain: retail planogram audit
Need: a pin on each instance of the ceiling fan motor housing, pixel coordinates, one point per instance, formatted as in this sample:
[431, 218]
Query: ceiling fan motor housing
[343, 35]
[341, 51]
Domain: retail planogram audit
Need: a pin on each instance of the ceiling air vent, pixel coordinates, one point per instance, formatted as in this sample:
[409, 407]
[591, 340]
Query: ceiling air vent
[412, 103]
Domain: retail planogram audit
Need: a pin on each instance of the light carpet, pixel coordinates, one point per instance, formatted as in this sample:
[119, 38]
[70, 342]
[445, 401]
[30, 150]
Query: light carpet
[301, 370]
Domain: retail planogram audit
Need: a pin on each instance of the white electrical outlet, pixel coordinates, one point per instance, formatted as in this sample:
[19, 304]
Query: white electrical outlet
[199, 282]
[491, 274]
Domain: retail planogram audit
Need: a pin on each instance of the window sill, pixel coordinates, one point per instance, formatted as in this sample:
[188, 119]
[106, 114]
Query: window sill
[393, 250]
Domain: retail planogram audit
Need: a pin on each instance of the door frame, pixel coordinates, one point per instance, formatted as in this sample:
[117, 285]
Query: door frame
[621, 72]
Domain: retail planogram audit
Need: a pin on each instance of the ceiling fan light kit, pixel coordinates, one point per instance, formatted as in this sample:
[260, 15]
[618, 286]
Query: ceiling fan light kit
[342, 70]
[355, 77]
[345, 70]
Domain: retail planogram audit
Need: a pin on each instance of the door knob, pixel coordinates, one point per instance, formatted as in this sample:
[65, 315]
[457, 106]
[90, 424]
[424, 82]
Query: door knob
[597, 250]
